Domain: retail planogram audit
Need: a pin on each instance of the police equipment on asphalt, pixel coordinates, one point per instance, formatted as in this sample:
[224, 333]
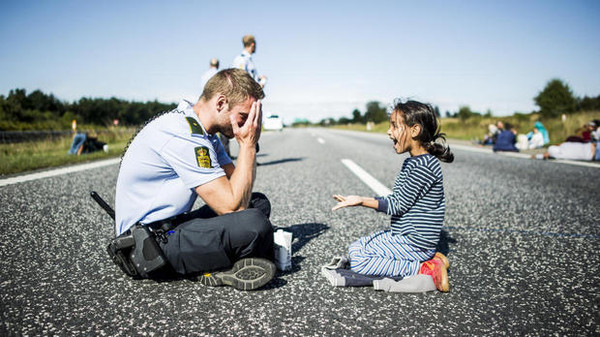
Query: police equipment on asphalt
[136, 251]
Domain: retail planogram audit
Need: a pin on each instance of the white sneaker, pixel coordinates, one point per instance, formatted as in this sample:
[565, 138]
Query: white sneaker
[338, 262]
[334, 278]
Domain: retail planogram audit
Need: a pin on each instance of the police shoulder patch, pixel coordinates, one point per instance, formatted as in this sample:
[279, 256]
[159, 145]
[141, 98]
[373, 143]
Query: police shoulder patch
[203, 157]
[195, 128]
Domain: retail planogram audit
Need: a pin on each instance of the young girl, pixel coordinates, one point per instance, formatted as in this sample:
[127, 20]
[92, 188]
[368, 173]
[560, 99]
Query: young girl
[417, 204]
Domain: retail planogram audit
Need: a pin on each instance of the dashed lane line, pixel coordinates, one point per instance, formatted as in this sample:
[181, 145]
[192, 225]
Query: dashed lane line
[366, 178]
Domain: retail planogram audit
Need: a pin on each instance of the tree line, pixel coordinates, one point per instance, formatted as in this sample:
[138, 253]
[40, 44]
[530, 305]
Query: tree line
[554, 100]
[39, 111]
[374, 112]
[20, 111]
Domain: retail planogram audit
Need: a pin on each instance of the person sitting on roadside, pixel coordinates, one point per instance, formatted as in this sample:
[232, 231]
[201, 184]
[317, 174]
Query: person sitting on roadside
[572, 151]
[77, 144]
[534, 139]
[493, 132]
[506, 140]
[86, 143]
[488, 138]
[583, 134]
[538, 127]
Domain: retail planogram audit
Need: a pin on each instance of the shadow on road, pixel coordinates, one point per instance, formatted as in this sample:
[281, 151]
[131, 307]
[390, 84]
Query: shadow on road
[302, 234]
[445, 241]
[258, 155]
[280, 161]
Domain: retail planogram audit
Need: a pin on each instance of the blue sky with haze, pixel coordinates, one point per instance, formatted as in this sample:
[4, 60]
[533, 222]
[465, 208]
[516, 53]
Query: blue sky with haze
[322, 58]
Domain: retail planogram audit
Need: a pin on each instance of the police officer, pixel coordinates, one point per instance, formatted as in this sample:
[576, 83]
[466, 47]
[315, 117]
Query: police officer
[177, 157]
[244, 61]
[212, 70]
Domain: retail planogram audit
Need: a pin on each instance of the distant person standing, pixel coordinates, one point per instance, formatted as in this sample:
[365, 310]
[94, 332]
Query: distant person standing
[244, 61]
[214, 67]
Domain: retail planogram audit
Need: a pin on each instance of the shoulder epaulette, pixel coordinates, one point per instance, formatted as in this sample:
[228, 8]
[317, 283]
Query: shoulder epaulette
[195, 128]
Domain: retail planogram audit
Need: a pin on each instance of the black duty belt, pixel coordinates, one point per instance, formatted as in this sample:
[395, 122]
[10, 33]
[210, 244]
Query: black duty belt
[136, 251]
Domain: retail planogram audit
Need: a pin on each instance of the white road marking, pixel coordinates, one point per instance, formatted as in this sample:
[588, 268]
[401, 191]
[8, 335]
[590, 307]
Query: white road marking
[573, 162]
[368, 179]
[60, 171]
[321, 140]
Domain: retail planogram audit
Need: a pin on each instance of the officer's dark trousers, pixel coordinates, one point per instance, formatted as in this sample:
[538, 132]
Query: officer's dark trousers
[208, 242]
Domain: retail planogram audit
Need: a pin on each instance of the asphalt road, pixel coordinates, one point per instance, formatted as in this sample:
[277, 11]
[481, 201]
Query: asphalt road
[522, 237]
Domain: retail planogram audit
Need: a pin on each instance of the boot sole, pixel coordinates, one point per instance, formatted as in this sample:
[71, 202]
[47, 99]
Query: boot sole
[440, 279]
[443, 258]
[246, 274]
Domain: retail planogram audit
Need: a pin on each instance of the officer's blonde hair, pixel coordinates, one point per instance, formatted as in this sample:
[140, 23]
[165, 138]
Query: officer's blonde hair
[235, 84]
[247, 40]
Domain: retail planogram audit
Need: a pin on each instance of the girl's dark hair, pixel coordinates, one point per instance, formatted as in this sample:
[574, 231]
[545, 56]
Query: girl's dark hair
[414, 112]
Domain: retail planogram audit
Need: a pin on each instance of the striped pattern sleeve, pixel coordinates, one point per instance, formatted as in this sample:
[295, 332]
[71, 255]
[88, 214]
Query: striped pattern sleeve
[417, 204]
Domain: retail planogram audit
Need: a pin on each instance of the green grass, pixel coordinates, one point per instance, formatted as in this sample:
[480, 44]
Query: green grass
[21, 157]
[476, 127]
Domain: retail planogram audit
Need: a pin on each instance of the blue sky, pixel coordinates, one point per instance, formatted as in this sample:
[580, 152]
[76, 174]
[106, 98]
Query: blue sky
[322, 58]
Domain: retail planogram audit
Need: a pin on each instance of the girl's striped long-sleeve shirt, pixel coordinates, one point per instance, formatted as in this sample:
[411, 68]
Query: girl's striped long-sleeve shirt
[417, 203]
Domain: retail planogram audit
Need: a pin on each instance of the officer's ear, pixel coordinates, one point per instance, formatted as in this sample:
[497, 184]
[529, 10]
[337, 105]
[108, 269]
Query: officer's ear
[221, 103]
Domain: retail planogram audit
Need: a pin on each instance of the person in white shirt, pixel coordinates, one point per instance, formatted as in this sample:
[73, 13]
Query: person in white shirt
[214, 67]
[244, 60]
[537, 139]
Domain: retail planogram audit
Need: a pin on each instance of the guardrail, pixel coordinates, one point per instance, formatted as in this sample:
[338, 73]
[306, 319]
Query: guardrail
[9, 137]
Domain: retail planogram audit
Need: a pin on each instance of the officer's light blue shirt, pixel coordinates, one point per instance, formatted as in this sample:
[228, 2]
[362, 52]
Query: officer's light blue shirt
[244, 62]
[166, 161]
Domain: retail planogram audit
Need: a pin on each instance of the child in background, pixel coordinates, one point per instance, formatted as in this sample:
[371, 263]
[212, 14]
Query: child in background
[534, 139]
[417, 204]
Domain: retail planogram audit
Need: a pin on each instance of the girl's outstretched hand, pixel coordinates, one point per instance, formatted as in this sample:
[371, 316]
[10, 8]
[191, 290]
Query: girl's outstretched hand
[351, 200]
